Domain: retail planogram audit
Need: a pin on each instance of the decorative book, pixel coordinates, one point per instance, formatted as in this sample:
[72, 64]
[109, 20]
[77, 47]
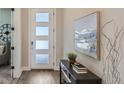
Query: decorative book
[80, 69]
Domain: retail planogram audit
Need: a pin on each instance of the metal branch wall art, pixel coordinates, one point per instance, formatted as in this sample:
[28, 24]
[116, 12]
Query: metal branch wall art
[111, 51]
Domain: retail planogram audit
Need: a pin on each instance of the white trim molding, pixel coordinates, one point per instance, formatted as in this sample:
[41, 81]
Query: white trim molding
[29, 38]
[26, 69]
[17, 43]
[54, 39]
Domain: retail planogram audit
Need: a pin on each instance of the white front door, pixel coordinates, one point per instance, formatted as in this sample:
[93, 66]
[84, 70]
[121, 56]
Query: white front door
[41, 38]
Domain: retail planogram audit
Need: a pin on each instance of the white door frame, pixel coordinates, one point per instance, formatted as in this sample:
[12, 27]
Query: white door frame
[29, 41]
[17, 43]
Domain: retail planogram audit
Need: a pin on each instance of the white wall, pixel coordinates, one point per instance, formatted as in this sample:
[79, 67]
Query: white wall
[97, 66]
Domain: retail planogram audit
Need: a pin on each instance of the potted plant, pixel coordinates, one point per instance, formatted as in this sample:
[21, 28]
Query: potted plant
[72, 57]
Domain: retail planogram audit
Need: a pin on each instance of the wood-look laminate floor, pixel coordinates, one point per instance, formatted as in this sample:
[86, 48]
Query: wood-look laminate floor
[5, 75]
[39, 77]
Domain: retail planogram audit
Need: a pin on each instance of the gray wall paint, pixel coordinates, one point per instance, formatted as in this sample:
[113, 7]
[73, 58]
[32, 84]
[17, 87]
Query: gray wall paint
[5, 16]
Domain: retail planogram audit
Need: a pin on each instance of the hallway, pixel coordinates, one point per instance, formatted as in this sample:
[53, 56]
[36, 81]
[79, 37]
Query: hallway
[39, 77]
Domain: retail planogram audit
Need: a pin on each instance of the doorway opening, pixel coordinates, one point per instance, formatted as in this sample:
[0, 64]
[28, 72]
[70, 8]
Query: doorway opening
[5, 45]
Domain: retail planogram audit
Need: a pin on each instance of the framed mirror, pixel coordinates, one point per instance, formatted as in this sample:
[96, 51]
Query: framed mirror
[87, 35]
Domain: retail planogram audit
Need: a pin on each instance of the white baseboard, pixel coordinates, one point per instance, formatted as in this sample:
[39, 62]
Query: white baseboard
[26, 69]
[17, 75]
[56, 68]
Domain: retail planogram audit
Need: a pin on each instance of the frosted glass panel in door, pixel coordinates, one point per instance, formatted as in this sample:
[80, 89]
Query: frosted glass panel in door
[42, 17]
[42, 31]
[41, 44]
[42, 58]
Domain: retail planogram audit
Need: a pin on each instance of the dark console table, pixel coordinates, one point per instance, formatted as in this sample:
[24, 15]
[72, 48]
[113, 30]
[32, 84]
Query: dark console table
[69, 76]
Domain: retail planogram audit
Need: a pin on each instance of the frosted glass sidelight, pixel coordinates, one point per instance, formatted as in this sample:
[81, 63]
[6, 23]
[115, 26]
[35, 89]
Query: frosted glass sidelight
[42, 17]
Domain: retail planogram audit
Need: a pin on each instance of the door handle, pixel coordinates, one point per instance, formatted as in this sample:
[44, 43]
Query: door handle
[32, 43]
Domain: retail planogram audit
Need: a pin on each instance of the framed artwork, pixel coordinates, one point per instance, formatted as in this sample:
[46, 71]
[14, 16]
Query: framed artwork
[87, 35]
